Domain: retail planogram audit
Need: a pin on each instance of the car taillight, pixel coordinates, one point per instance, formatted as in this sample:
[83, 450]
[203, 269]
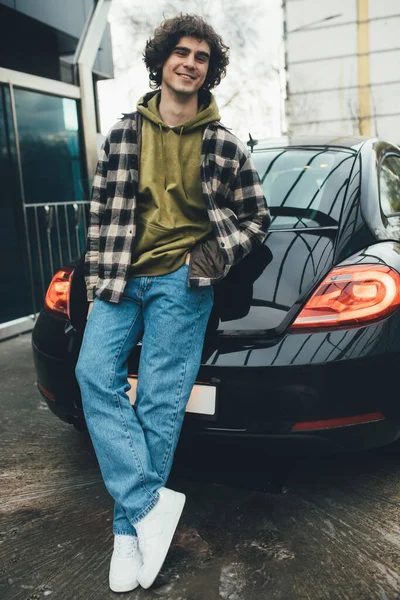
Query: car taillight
[353, 295]
[57, 297]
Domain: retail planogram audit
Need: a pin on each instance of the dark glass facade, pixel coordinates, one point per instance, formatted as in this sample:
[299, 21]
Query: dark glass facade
[44, 211]
[49, 142]
[44, 182]
[15, 287]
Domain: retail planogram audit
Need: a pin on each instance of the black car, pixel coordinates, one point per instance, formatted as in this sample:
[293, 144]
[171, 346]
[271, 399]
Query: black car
[303, 344]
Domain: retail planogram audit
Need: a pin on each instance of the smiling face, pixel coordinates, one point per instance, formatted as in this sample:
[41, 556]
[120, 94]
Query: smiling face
[185, 70]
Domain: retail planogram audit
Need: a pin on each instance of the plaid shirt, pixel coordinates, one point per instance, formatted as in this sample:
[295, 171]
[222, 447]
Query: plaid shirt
[232, 193]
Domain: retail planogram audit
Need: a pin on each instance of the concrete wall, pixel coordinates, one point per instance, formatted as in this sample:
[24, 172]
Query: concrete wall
[323, 66]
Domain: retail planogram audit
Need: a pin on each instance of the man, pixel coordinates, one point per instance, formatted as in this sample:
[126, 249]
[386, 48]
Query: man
[176, 202]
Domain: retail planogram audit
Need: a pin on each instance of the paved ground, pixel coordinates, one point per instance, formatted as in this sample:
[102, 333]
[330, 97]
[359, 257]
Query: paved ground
[310, 530]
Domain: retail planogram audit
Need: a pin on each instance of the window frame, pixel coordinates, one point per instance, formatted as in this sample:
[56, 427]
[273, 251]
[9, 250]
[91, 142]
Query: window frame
[379, 173]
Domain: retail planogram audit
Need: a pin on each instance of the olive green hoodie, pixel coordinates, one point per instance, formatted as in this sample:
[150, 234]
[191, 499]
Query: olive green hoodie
[171, 215]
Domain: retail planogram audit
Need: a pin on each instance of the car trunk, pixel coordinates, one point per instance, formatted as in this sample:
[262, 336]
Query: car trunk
[262, 293]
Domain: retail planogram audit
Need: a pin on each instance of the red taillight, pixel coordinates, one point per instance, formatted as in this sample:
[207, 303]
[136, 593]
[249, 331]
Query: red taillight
[57, 297]
[45, 392]
[353, 295]
[343, 422]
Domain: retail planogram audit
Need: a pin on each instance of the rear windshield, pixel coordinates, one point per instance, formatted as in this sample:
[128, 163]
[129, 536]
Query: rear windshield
[304, 188]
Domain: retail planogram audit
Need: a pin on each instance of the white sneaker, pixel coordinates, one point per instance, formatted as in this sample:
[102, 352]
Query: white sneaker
[126, 562]
[155, 532]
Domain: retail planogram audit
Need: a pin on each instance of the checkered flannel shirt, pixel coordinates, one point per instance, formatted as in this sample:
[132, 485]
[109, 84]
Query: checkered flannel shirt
[232, 193]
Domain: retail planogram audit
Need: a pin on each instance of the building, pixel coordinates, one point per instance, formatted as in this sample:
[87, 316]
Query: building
[52, 53]
[342, 67]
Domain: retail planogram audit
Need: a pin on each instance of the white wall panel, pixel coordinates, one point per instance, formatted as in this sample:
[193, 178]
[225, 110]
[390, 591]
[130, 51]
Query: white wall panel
[322, 43]
[322, 75]
[389, 129]
[300, 14]
[385, 67]
[385, 34]
[386, 99]
[340, 104]
[382, 8]
[344, 128]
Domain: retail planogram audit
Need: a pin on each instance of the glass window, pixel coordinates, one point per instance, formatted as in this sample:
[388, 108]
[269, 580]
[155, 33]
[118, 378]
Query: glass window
[389, 185]
[15, 290]
[50, 150]
[304, 188]
[50, 225]
[52, 167]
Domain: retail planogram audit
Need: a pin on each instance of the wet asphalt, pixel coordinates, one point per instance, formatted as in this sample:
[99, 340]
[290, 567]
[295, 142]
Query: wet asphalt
[254, 526]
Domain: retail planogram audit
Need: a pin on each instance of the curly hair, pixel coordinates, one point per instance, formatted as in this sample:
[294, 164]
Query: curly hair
[166, 37]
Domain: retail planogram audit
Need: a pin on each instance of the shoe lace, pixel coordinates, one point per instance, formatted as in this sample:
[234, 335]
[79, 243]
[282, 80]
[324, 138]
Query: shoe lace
[125, 546]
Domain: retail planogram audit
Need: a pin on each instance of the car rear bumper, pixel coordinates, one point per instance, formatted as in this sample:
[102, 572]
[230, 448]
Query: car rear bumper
[248, 414]
[338, 439]
[57, 384]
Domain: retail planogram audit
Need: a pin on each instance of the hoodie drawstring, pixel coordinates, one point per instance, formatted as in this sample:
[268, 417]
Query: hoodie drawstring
[180, 161]
[164, 160]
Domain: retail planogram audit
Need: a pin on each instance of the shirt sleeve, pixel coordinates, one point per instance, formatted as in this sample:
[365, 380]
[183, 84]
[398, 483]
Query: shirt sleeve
[97, 205]
[251, 207]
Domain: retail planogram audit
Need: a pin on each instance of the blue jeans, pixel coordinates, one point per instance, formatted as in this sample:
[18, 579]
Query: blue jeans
[135, 446]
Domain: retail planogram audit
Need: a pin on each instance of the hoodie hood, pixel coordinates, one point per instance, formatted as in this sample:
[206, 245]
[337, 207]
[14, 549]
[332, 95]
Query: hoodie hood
[179, 144]
[208, 111]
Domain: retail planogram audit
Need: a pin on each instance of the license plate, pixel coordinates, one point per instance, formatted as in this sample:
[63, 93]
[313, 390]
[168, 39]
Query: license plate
[202, 400]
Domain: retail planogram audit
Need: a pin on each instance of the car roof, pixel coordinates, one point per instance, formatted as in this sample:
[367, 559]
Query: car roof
[349, 142]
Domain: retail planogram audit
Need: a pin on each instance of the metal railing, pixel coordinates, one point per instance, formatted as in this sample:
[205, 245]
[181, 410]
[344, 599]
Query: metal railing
[56, 236]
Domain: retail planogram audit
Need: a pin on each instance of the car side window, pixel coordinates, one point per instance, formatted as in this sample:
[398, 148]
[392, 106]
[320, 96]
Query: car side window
[389, 185]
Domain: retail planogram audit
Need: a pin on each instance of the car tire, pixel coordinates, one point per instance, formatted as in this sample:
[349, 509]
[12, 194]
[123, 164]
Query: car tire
[79, 424]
